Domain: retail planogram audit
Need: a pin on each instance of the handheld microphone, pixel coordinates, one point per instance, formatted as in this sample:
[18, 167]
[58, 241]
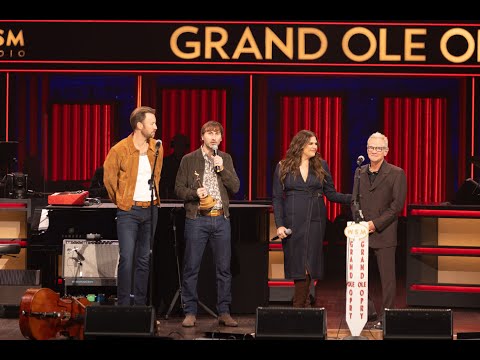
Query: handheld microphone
[215, 153]
[360, 160]
[80, 256]
[287, 231]
[158, 143]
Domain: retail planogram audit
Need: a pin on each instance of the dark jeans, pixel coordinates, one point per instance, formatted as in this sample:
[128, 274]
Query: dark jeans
[134, 240]
[214, 230]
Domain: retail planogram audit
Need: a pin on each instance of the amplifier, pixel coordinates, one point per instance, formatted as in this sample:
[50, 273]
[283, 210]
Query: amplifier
[14, 284]
[90, 263]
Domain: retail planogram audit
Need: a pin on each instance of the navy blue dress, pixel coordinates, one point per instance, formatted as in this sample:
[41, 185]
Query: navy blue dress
[300, 206]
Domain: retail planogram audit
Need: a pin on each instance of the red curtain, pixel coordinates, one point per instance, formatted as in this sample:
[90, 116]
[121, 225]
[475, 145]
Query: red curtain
[32, 94]
[323, 116]
[417, 132]
[77, 138]
[186, 110]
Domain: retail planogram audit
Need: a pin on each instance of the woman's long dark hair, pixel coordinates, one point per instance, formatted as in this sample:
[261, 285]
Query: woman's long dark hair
[291, 163]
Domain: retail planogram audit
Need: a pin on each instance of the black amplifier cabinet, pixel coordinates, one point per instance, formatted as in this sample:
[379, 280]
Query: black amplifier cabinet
[13, 285]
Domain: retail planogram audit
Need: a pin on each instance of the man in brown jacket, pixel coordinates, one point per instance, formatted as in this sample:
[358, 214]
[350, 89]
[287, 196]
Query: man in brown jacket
[381, 193]
[127, 173]
[207, 172]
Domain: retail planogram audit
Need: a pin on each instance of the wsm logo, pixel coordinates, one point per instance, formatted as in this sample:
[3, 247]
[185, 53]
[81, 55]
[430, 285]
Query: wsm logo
[11, 44]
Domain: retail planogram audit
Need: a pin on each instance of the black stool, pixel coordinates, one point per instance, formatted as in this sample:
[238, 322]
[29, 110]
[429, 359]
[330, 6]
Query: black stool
[9, 249]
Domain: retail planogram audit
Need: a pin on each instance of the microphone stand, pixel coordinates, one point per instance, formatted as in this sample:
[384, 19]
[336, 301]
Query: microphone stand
[371, 310]
[358, 211]
[178, 294]
[358, 217]
[151, 182]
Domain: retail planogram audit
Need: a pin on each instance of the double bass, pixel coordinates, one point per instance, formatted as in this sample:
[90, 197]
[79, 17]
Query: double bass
[44, 315]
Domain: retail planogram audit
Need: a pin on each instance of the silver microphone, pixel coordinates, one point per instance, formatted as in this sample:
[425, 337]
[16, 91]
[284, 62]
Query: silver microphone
[287, 231]
[80, 256]
[360, 160]
[215, 153]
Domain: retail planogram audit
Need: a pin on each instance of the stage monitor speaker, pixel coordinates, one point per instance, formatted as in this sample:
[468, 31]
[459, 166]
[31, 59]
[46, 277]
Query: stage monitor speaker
[286, 323]
[90, 263]
[429, 324]
[107, 321]
[473, 335]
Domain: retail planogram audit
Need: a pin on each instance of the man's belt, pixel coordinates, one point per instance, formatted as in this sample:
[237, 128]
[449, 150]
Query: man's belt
[213, 212]
[144, 204]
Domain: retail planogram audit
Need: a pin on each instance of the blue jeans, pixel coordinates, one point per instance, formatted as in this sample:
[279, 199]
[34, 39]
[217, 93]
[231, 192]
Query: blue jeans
[214, 230]
[134, 241]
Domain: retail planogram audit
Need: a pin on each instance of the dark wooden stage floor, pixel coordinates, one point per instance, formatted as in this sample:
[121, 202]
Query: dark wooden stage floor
[466, 321]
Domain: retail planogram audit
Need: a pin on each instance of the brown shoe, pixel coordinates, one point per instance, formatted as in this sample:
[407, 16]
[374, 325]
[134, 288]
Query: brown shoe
[189, 320]
[227, 320]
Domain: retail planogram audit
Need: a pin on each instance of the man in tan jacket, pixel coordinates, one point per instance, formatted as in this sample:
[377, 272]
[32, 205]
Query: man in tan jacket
[127, 173]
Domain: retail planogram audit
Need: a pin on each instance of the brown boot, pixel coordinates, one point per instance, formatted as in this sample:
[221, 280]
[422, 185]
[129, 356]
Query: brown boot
[308, 301]
[302, 288]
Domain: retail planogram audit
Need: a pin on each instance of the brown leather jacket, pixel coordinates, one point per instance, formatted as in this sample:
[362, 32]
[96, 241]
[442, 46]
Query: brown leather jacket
[121, 168]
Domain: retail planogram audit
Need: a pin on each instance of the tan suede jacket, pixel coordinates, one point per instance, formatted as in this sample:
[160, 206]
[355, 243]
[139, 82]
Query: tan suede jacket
[121, 168]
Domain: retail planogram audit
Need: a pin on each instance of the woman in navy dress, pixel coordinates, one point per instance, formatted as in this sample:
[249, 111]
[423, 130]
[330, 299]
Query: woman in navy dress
[300, 182]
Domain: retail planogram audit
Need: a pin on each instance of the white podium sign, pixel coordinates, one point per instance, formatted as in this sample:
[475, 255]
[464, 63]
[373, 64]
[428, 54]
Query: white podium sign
[357, 276]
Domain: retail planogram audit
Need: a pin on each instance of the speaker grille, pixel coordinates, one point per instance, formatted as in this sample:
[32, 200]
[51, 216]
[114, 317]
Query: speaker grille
[418, 324]
[290, 323]
[19, 277]
[90, 263]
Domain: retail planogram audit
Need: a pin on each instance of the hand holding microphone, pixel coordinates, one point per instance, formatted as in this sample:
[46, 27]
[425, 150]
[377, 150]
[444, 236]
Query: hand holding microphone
[217, 160]
[286, 233]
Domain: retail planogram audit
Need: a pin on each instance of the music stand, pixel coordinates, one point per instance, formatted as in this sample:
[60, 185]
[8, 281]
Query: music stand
[468, 193]
[8, 153]
[178, 293]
